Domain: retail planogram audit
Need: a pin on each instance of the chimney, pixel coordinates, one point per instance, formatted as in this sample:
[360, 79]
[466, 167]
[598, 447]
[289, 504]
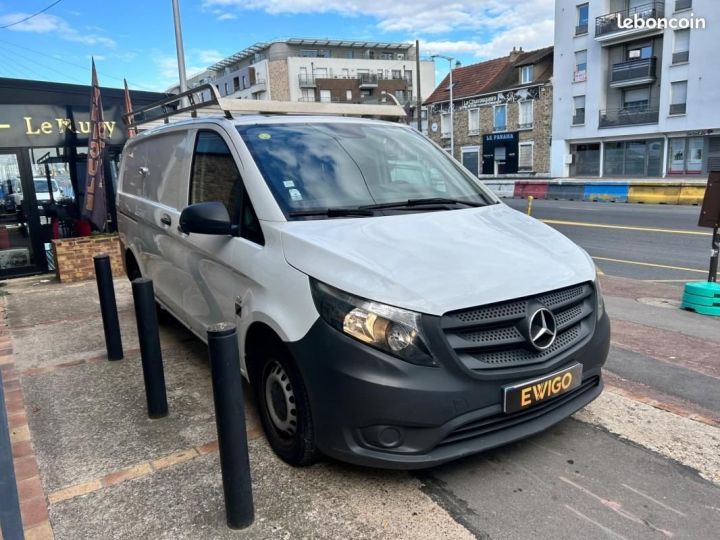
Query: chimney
[515, 53]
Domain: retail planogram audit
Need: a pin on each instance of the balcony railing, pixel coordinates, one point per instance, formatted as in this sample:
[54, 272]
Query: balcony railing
[678, 108]
[628, 116]
[633, 72]
[368, 80]
[306, 81]
[680, 57]
[680, 5]
[609, 24]
[578, 118]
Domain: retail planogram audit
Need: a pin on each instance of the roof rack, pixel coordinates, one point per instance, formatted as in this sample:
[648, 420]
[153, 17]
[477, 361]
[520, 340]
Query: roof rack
[190, 103]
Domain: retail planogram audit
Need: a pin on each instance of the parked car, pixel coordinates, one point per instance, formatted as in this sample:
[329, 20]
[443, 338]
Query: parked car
[391, 310]
[14, 197]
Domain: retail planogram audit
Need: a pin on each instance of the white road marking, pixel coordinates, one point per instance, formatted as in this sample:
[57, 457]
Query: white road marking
[649, 498]
[579, 514]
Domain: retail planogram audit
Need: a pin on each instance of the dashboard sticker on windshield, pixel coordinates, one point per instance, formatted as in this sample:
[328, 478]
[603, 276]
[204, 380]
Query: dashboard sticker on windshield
[295, 195]
[288, 183]
[264, 136]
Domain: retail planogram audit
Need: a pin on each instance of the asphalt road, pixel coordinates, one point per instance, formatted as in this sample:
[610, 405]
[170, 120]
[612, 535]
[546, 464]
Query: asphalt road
[616, 235]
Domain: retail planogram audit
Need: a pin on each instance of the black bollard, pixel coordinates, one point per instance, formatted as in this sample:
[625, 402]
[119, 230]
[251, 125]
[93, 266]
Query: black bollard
[230, 419]
[108, 307]
[150, 352]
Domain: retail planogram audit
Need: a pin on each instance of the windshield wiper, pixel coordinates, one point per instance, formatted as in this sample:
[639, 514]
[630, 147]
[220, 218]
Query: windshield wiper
[421, 202]
[332, 212]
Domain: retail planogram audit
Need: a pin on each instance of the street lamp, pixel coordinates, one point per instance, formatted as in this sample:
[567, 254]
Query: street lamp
[452, 104]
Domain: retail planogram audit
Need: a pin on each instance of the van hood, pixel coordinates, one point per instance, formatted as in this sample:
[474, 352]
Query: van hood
[435, 262]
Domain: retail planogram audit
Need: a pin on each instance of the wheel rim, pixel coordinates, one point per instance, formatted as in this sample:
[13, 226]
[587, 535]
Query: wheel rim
[280, 400]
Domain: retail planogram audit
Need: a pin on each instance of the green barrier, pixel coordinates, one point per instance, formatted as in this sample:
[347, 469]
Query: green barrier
[702, 297]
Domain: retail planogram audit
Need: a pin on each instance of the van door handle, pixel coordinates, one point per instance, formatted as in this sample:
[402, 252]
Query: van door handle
[165, 220]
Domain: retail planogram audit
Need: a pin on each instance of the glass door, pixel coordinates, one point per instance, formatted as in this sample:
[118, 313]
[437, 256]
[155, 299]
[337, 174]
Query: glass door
[18, 217]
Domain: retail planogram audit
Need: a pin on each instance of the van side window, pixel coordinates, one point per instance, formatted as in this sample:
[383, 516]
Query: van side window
[215, 177]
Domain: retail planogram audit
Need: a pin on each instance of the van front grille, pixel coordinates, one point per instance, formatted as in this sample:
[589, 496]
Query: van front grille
[494, 336]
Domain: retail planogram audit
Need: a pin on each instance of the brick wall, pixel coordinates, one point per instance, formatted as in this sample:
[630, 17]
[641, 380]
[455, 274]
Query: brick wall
[278, 80]
[74, 256]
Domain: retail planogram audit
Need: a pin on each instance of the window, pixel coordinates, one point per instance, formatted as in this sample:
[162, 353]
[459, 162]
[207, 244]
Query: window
[681, 47]
[526, 74]
[215, 177]
[408, 76]
[636, 99]
[225, 85]
[308, 94]
[348, 95]
[345, 73]
[473, 121]
[579, 112]
[396, 74]
[350, 54]
[582, 19]
[325, 96]
[525, 156]
[320, 73]
[308, 53]
[471, 159]
[580, 66]
[686, 155]
[500, 118]
[341, 164]
[525, 112]
[244, 81]
[445, 125]
[633, 158]
[682, 4]
[236, 84]
[678, 98]
[586, 159]
[639, 51]
[324, 53]
[387, 56]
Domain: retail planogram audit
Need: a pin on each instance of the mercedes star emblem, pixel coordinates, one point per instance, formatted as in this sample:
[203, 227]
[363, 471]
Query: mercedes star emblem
[543, 329]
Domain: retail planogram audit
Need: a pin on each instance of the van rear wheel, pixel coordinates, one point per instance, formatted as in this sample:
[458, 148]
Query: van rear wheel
[284, 408]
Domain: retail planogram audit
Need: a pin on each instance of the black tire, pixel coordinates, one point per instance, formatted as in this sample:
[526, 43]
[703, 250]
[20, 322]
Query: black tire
[284, 406]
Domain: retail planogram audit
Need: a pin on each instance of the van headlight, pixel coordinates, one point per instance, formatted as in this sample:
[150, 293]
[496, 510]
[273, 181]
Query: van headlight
[599, 299]
[392, 330]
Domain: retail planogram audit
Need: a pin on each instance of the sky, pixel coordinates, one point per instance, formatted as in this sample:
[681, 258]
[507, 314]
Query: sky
[135, 38]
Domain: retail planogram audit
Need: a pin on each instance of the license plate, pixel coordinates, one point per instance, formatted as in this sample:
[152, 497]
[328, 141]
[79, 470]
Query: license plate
[528, 393]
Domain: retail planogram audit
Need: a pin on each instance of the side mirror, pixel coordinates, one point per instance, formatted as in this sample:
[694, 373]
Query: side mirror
[206, 218]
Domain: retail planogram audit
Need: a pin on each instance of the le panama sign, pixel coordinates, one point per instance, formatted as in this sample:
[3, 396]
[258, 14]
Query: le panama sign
[51, 125]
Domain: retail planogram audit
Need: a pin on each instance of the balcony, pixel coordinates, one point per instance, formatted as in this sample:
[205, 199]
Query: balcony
[258, 86]
[611, 28]
[631, 116]
[681, 5]
[306, 81]
[680, 57]
[368, 80]
[678, 108]
[633, 72]
[578, 118]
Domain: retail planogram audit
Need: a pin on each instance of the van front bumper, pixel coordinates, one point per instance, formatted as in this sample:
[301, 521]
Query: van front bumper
[372, 409]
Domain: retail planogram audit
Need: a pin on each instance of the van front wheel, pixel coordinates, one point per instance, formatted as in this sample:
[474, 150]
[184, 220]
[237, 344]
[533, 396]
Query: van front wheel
[285, 409]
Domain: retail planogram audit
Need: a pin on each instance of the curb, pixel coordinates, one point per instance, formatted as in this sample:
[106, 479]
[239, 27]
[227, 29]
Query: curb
[31, 494]
[684, 193]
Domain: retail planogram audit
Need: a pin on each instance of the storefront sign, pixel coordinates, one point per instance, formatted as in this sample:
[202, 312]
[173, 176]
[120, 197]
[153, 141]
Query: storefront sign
[510, 96]
[51, 125]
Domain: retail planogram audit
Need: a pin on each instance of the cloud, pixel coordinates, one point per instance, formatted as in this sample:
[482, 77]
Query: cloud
[51, 24]
[207, 56]
[226, 16]
[418, 16]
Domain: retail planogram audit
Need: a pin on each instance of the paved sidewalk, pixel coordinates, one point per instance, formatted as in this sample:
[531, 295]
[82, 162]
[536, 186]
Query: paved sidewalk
[90, 464]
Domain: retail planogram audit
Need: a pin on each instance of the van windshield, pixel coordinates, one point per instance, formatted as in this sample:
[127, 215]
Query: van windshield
[350, 165]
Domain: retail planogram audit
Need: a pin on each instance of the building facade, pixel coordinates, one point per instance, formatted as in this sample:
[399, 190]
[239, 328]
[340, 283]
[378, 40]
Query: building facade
[323, 71]
[636, 89]
[502, 111]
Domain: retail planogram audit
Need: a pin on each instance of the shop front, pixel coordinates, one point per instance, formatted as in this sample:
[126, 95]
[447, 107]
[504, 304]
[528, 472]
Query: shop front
[44, 131]
[500, 153]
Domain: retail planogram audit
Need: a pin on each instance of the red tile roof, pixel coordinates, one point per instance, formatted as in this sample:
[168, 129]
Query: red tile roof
[485, 77]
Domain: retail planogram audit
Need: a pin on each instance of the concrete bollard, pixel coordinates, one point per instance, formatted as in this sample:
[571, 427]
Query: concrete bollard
[230, 419]
[108, 307]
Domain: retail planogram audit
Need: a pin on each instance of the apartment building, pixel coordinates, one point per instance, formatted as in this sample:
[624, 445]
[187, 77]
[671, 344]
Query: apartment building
[322, 70]
[636, 89]
[502, 111]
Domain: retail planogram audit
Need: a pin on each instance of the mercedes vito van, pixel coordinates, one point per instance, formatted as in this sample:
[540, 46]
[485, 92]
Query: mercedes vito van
[391, 311]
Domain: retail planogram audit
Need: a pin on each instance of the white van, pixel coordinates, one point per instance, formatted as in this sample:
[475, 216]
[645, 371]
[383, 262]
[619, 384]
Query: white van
[391, 311]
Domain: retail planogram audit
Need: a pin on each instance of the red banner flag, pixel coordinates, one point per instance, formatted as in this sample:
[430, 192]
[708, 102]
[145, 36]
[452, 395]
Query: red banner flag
[95, 207]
